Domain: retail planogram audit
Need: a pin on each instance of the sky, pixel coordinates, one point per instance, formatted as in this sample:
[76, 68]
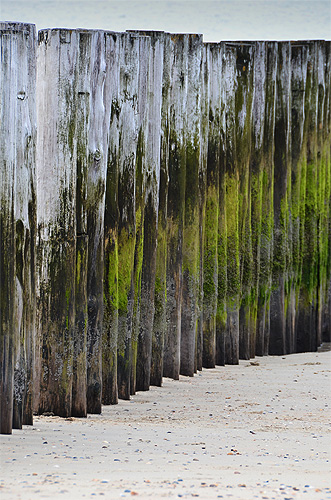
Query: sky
[215, 19]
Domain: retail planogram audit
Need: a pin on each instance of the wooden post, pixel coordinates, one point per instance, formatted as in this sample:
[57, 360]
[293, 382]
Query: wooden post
[160, 300]
[96, 188]
[307, 303]
[9, 335]
[281, 202]
[176, 203]
[183, 214]
[210, 250]
[128, 135]
[25, 222]
[221, 315]
[190, 265]
[323, 182]
[244, 98]
[267, 216]
[111, 288]
[299, 54]
[17, 223]
[56, 217]
[205, 87]
[232, 210]
[326, 220]
[82, 97]
[140, 191]
[150, 208]
[257, 172]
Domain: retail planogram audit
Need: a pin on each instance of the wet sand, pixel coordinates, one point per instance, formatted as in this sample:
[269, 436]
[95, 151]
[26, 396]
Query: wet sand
[257, 430]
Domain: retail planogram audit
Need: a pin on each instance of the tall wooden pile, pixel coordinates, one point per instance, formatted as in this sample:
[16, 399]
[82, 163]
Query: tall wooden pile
[172, 214]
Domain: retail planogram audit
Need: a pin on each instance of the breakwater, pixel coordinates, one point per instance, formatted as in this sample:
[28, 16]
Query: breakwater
[165, 206]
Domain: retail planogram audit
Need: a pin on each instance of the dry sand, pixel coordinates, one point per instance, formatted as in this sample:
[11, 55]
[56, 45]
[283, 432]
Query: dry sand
[257, 430]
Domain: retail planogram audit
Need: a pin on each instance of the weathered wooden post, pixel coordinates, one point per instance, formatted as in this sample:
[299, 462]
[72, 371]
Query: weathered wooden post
[307, 303]
[159, 322]
[210, 250]
[96, 187]
[190, 265]
[221, 314]
[17, 223]
[267, 212]
[72, 157]
[204, 106]
[25, 221]
[325, 223]
[56, 217]
[9, 334]
[299, 54]
[193, 178]
[140, 190]
[176, 203]
[282, 171]
[111, 288]
[231, 209]
[151, 180]
[243, 109]
[323, 182]
[128, 138]
[82, 97]
[257, 169]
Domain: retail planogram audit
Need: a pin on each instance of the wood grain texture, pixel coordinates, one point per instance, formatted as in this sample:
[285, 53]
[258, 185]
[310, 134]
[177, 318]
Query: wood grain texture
[172, 212]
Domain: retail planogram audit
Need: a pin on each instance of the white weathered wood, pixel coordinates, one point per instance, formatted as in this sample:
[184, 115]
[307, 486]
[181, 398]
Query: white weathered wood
[17, 222]
[190, 267]
[150, 200]
[110, 322]
[56, 217]
[258, 172]
[166, 203]
[159, 321]
[128, 134]
[96, 184]
[176, 201]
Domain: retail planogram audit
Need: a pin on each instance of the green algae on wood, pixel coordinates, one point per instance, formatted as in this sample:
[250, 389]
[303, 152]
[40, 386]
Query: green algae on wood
[282, 172]
[183, 213]
[25, 225]
[96, 186]
[204, 106]
[323, 185]
[56, 192]
[160, 298]
[176, 203]
[147, 179]
[232, 211]
[210, 253]
[257, 172]
[266, 238]
[221, 312]
[307, 301]
[324, 127]
[190, 264]
[128, 132]
[151, 206]
[299, 61]
[79, 407]
[140, 187]
[17, 223]
[110, 317]
[243, 110]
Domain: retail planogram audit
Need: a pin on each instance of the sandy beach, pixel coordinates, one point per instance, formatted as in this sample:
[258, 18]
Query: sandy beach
[257, 430]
